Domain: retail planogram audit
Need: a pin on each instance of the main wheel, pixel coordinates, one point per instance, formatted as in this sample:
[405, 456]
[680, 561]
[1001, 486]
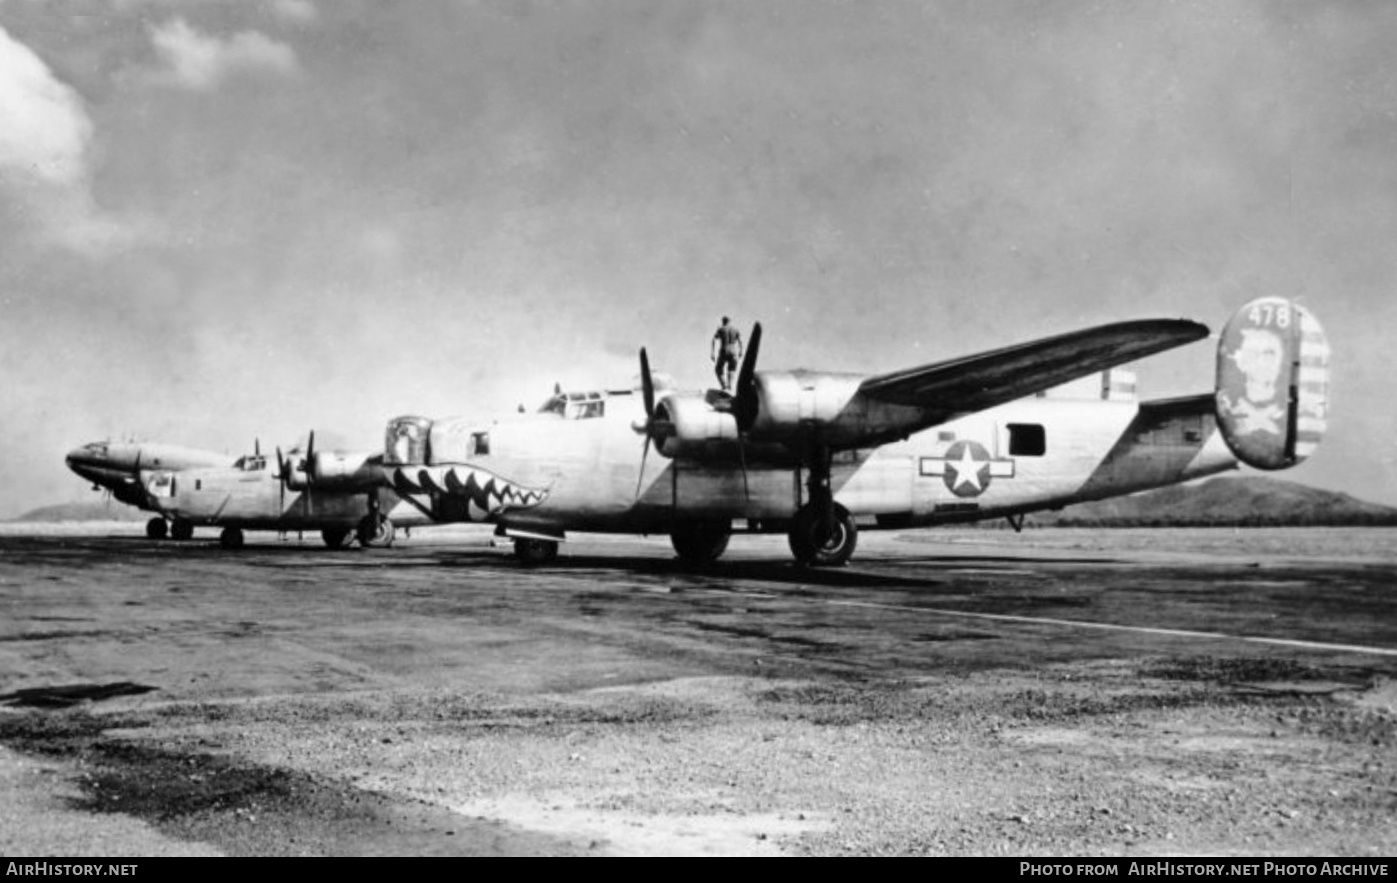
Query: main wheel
[156, 528]
[336, 537]
[700, 542]
[181, 529]
[231, 538]
[813, 548]
[531, 552]
[376, 531]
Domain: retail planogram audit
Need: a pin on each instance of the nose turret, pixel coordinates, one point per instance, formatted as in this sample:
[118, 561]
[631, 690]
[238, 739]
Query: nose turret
[91, 461]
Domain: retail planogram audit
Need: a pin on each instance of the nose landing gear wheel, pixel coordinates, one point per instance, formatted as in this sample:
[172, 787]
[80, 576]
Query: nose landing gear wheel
[531, 552]
[817, 545]
[231, 538]
[156, 528]
[181, 530]
[700, 542]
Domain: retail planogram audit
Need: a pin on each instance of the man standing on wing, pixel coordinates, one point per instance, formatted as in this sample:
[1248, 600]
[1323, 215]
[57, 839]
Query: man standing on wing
[725, 352]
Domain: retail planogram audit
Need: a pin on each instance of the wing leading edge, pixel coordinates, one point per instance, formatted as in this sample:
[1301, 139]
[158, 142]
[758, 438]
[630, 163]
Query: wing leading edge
[974, 383]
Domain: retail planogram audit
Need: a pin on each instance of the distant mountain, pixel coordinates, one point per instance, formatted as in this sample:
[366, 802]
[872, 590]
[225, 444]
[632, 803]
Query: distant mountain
[1233, 501]
[98, 510]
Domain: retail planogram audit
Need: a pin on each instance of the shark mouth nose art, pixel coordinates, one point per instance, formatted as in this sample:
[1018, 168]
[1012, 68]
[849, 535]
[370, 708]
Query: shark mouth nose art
[485, 492]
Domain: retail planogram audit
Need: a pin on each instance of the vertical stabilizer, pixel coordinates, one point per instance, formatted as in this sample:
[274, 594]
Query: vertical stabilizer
[1272, 383]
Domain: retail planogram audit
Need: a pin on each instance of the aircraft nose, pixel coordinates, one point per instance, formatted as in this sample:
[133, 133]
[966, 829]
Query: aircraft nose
[84, 460]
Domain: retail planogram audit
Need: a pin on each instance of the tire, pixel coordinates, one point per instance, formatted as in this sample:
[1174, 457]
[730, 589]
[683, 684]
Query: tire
[700, 542]
[812, 550]
[156, 529]
[182, 530]
[336, 537]
[231, 538]
[534, 552]
[376, 532]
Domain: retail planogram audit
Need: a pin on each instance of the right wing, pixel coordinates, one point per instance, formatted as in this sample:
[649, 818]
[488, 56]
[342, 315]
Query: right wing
[974, 383]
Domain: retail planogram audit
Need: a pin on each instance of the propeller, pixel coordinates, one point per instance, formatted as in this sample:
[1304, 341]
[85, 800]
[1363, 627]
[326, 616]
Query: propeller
[745, 403]
[647, 391]
[310, 470]
[285, 468]
[281, 474]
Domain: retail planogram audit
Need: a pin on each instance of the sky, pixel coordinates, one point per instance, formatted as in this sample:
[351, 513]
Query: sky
[224, 220]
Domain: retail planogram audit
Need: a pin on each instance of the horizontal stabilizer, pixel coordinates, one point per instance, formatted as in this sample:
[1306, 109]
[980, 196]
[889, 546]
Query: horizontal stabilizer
[974, 383]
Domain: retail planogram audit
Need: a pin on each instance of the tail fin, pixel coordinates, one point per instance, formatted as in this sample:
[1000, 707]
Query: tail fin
[1272, 383]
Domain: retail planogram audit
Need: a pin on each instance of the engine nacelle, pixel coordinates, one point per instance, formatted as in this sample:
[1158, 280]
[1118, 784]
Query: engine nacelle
[337, 470]
[1272, 383]
[695, 427]
[406, 441]
[799, 404]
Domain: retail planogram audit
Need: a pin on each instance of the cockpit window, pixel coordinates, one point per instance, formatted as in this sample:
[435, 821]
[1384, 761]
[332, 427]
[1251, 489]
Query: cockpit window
[576, 405]
[251, 463]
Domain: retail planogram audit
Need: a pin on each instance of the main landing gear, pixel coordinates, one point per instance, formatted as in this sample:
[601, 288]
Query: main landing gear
[376, 531]
[231, 538]
[822, 533]
[700, 542]
[158, 528]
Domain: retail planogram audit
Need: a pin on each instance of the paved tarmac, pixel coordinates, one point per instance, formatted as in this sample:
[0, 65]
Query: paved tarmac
[113, 635]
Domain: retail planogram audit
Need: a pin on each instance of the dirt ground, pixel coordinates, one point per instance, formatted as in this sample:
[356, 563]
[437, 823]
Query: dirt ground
[967, 692]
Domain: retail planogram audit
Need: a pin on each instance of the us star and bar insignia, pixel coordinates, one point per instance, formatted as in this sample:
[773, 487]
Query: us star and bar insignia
[967, 468]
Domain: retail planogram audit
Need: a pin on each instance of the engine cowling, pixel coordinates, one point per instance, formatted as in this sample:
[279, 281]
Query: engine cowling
[339, 470]
[1272, 383]
[694, 427]
[791, 400]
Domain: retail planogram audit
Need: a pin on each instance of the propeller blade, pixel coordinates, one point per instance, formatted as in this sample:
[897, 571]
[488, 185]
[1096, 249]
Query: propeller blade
[742, 459]
[256, 446]
[647, 385]
[310, 471]
[281, 475]
[640, 479]
[745, 402]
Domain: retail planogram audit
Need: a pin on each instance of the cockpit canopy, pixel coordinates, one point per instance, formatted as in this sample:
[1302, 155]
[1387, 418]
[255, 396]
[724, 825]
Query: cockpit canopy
[576, 405]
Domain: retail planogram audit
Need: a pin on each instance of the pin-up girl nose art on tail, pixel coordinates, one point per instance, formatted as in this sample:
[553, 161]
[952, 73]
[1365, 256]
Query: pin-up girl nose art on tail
[1260, 357]
[1272, 383]
[484, 492]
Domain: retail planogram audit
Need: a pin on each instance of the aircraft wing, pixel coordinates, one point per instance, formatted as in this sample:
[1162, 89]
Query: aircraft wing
[974, 383]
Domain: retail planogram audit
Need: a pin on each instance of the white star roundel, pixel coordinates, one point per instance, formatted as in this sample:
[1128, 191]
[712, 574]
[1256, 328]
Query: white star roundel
[967, 468]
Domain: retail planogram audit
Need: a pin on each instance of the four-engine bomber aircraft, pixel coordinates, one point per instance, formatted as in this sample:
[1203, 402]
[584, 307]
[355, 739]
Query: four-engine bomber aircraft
[820, 455]
[124, 469]
[189, 487]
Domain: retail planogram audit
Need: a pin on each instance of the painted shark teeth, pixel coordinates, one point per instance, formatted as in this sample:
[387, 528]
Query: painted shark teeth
[486, 493]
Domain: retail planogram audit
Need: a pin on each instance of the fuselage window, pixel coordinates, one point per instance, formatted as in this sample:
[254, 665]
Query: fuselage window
[1027, 440]
[480, 444]
[198, 484]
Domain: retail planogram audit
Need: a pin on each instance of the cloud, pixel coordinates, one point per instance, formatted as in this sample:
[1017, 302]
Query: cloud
[295, 10]
[46, 129]
[45, 174]
[194, 60]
